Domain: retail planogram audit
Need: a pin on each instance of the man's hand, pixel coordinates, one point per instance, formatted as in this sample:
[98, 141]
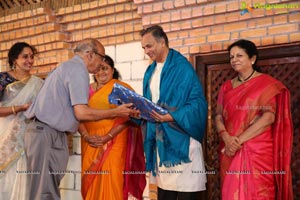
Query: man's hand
[161, 118]
[126, 110]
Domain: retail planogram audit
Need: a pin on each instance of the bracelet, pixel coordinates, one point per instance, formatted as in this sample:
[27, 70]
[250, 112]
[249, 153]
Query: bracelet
[110, 135]
[222, 131]
[13, 110]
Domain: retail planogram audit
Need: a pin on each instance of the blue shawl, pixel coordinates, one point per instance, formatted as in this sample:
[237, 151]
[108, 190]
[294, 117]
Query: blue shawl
[182, 95]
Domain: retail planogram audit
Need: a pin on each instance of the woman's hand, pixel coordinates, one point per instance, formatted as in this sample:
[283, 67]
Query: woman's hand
[232, 144]
[97, 141]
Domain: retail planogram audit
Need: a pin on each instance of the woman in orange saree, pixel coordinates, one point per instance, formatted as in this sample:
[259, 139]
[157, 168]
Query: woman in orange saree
[254, 123]
[110, 148]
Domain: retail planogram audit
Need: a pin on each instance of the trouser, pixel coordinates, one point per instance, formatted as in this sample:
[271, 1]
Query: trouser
[47, 157]
[175, 195]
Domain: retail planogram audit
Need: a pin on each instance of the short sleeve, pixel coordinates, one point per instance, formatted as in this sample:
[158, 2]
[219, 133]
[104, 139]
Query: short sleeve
[78, 86]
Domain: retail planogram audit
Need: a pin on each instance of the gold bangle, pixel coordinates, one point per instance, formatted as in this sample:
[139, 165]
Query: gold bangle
[13, 110]
[110, 135]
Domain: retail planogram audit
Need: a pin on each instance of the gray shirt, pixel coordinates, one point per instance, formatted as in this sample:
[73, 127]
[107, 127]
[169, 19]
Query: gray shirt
[66, 86]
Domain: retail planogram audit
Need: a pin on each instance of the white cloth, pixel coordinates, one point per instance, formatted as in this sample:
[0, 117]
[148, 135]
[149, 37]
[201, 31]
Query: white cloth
[187, 177]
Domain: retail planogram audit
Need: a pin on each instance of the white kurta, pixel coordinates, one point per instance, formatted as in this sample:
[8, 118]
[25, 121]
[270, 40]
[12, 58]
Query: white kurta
[187, 177]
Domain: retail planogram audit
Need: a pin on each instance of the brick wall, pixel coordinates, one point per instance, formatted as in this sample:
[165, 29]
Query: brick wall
[193, 27]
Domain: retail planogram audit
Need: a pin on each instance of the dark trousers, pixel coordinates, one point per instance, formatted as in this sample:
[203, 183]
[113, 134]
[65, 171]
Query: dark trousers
[175, 195]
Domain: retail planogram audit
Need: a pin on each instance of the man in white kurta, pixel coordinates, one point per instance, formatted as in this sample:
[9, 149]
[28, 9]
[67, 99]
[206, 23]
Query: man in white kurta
[173, 144]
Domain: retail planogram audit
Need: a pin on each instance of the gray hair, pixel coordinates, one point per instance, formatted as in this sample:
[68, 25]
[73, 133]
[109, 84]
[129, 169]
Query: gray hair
[88, 44]
[157, 32]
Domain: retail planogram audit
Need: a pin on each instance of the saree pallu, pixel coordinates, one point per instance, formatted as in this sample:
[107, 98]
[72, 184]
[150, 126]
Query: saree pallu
[106, 171]
[13, 176]
[261, 168]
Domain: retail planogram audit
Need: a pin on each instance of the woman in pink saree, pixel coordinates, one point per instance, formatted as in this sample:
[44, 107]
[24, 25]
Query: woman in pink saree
[254, 123]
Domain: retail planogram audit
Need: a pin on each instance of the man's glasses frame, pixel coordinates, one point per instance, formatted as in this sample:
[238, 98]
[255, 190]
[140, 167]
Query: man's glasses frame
[102, 56]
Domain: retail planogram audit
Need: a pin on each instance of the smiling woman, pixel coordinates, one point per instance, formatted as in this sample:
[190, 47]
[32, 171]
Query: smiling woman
[17, 90]
[106, 145]
[251, 111]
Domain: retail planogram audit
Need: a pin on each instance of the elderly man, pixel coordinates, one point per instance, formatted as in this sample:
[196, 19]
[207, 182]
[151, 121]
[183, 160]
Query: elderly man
[173, 143]
[58, 108]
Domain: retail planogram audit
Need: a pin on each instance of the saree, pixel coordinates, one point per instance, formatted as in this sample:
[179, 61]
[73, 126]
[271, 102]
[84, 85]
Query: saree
[13, 177]
[118, 169]
[261, 168]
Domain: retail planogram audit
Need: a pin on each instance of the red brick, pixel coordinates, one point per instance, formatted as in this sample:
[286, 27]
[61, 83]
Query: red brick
[190, 2]
[165, 17]
[120, 29]
[295, 37]
[257, 13]
[85, 6]
[197, 11]
[233, 6]
[168, 5]
[217, 46]
[128, 37]
[179, 3]
[263, 22]
[294, 17]
[232, 17]
[282, 29]
[186, 13]
[217, 29]
[147, 8]
[93, 13]
[176, 43]
[185, 24]
[119, 8]
[218, 37]
[200, 32]
[194, 49]
[219, 19]
[146, 20]
[281, 39]
[197, 23]
[110, 10]
[253, 33]
[235, 26]
[282, 19]
[205, 48]
[77, 8]
[208, 20]
[155, 19]
[175, 15]
[94, 4]
[175, 26]
[234, 35]
[208, 10]
[202, 1]
[120, 39]
[196, 40]
[157, 6]
[220, 8]
[77, 17]
[184, 50]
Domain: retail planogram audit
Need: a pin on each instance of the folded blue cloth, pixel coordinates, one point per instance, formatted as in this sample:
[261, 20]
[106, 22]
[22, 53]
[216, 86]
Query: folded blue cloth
[121, 94]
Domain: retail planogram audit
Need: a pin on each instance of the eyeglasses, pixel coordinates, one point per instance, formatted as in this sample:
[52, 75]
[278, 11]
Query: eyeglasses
[102, 56]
